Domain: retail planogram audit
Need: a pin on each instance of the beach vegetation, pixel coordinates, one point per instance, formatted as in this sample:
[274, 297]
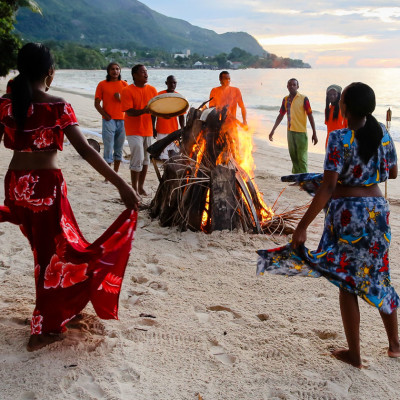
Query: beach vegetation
[10, 42]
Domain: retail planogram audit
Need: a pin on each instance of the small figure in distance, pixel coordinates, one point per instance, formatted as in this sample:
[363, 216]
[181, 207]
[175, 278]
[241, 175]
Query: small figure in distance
[165, 126]
[297, 107]
[228, 96]
[333, 116]
[108, 103]
[139, 124]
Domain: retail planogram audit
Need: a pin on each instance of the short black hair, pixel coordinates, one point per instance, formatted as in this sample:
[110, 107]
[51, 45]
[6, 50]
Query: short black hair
[136, 68]
[293, 79]
[223, 73]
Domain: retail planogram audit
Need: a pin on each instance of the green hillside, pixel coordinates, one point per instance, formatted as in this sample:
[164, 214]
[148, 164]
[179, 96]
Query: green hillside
[125, 24]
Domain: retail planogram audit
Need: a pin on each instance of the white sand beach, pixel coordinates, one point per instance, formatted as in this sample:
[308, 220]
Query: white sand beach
[195, 321]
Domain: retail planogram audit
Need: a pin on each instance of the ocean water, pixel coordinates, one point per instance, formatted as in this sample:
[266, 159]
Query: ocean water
[262, 89]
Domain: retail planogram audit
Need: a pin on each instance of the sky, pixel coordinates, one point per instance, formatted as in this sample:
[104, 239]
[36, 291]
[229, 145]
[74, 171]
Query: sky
[341, 33]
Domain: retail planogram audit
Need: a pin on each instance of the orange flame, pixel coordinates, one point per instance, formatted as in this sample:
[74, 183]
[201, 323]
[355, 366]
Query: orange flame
[204, 218]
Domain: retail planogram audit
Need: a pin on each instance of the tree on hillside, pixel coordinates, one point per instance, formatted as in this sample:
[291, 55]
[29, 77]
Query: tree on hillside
[9, 42]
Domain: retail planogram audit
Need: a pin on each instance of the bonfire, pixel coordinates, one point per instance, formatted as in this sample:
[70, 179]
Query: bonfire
[209, 185]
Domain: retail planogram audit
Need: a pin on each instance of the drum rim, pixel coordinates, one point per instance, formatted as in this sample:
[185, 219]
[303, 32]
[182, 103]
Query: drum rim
[166, 96]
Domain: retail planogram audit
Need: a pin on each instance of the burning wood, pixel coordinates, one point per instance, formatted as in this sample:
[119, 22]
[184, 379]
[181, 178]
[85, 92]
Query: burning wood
[207, 187]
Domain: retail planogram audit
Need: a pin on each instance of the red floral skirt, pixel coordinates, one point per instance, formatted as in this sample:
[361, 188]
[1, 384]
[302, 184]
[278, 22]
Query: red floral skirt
[69, 271]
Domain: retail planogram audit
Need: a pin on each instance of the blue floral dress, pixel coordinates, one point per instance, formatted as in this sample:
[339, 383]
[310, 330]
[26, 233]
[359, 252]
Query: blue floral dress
[353, 252]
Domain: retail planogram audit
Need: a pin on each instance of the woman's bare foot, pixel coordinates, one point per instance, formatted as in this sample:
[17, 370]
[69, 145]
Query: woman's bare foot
[75, 321]
[394, 352]
[36, 342]
[345, 356]
[142, 192]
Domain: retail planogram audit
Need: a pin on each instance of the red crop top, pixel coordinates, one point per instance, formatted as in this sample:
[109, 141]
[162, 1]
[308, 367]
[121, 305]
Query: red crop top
[43, 129]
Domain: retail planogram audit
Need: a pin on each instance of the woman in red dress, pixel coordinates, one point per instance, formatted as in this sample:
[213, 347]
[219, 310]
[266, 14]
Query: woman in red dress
[69, 271]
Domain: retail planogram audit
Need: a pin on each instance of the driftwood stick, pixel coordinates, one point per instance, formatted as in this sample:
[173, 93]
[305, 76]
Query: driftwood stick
[249, 202]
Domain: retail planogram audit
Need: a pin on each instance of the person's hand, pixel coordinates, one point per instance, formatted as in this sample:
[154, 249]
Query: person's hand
[314, 139]
[146, 110]
[271, 136]
[299, 237]
[117, 96]
[107, 117]
[129, 196]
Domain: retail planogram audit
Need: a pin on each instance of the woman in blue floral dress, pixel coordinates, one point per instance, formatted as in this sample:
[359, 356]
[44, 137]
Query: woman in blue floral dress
[354, 249]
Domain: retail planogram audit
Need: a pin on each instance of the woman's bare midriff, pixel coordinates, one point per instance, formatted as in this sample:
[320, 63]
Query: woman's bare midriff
[357, 191]
[35, 160]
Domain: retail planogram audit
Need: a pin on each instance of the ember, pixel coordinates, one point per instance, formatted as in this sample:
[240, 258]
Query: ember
[208, 186]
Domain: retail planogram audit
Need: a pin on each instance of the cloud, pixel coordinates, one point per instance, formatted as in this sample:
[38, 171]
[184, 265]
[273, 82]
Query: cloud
[358, 32]
[379, 62]
[314, 39]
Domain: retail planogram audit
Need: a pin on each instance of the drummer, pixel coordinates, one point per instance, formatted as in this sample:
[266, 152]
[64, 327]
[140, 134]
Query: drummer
[139, 124]
[165, 126]
[226, 95]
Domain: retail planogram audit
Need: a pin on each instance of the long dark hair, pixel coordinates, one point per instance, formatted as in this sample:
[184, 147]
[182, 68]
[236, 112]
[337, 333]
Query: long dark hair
[336, 108]
[108, 77]
[33, 63]
[360, 102]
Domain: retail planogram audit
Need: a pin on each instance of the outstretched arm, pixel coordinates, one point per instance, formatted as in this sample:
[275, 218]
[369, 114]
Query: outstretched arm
[324, 193]
[128, 195]
[279, 119]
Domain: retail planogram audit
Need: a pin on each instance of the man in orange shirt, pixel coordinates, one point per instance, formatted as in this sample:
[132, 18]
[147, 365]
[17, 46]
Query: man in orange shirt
[108, 93]
[165, 126]
[226, 95]
[139, 125]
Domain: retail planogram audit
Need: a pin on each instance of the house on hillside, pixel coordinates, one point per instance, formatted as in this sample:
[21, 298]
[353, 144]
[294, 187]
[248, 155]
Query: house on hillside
[185, 54]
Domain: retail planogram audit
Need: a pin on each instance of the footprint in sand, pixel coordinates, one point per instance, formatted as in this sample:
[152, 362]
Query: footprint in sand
[134, 297]
[82, 386]
[220, 354]
[29, 396]
[159, 287]
[325, 334]
[147, 322]
[139, 279]
[154, 269]
[202, 316]
[14, 321]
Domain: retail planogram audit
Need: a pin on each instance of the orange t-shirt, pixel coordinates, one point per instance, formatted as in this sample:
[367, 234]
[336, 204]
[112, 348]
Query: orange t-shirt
[333, 125]
[105, 92]
[164, 125]
[226, 96]
[137, 98]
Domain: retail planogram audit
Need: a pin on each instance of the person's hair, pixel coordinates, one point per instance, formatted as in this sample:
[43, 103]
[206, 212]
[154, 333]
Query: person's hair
[360, 102]
[293, 79]
[170, 77]
[33, 63]
[223, 73]
[108, 77]
[135, 69]
[335, 105]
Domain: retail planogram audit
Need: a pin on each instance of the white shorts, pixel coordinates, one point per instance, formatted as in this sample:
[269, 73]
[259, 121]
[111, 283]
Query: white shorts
[139, 155]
